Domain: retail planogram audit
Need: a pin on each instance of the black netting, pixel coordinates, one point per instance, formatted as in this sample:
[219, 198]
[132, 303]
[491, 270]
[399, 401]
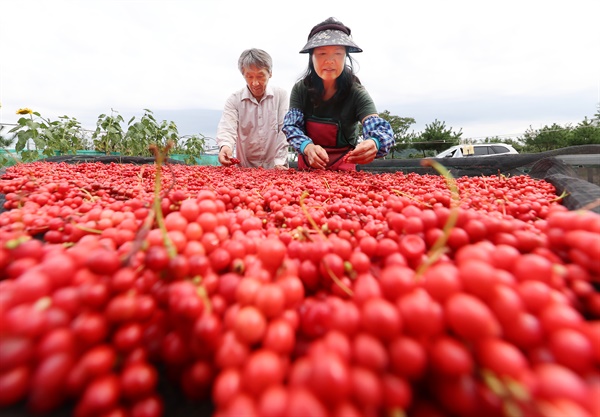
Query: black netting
[579, 193]
[551, 166]
[474, 166]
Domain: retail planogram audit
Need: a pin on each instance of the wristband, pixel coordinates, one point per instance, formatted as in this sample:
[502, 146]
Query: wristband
[304, 144]
[376, 142]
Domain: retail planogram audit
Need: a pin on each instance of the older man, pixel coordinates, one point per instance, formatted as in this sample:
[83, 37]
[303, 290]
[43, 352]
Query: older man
[253, 117]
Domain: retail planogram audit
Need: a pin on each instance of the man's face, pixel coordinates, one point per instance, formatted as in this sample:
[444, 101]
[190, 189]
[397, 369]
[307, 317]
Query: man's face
[257, 80]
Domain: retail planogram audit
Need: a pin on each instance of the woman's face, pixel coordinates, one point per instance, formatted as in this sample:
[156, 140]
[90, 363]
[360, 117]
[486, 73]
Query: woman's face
[329, 61]
[257, 80]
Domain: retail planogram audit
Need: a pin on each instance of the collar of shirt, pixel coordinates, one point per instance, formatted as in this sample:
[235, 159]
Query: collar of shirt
[247, 95]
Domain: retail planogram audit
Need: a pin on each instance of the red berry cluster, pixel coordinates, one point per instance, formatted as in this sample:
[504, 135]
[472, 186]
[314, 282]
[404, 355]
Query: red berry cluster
[289, 293]
[235, 161]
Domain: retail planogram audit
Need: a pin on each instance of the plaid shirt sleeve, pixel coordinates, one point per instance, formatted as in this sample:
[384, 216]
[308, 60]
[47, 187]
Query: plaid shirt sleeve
[374, 127]
[293, 127]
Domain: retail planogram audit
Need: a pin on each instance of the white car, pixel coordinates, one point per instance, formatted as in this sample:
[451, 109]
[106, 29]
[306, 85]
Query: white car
[477, 149]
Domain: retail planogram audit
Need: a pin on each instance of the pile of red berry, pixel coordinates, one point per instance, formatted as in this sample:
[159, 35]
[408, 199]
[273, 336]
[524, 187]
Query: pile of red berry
[292, 293]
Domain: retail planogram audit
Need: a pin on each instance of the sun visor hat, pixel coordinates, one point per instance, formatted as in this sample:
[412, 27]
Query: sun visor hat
[329, 35]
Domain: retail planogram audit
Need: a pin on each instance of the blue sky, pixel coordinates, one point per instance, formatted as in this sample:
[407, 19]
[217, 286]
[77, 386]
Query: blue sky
[488, 69]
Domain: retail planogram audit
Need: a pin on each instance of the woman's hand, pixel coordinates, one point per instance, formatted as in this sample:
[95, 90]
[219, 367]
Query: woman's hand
[364, 153]
[316, 156]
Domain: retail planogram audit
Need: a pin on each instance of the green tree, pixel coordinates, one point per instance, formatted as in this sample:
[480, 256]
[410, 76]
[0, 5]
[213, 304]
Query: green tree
[436, 137]
[587, 132]
[400, 126]
[514, 143]
[547, 138]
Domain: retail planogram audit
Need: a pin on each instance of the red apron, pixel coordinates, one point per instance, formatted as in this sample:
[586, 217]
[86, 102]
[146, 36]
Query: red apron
[326, 133]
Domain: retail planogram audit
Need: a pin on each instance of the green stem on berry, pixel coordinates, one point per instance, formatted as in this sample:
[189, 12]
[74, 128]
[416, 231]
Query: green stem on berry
[396, 412]
[494, 383]
[338, 281]
[89, 195]
[159, 157]
[403, 194]
[514, 395]
[485, 182]
[139, 240]
[202, 293]
[560, 197]
[308, 216]
[13, 243]
[517, 390]
[87, 229]
[438, 247]
[511, 409]
[349, 269]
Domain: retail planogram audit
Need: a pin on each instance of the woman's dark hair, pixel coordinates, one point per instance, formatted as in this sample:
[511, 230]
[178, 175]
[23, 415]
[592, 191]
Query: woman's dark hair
[346, 79]
[329, 23]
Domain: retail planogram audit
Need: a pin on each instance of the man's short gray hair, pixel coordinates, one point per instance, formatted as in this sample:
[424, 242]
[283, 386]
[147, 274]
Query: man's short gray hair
[255, 57]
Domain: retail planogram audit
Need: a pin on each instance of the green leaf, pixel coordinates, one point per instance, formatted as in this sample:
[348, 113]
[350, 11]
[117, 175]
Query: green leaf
[20, 145]
[24, 135]
[39, 143]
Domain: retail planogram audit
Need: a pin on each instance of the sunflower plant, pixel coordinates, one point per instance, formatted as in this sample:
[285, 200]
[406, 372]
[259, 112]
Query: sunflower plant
[30, 128]
[145, 132]
[109, 134]
[40, 137]
[63, 136]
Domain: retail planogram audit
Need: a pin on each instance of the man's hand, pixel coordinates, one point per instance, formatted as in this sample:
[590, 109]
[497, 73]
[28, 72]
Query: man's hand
[364, 153]
[316, 156]
[225, 155]
[280, 167]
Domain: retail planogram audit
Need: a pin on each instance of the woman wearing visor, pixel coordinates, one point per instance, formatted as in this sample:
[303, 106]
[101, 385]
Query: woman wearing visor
[327, 104]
